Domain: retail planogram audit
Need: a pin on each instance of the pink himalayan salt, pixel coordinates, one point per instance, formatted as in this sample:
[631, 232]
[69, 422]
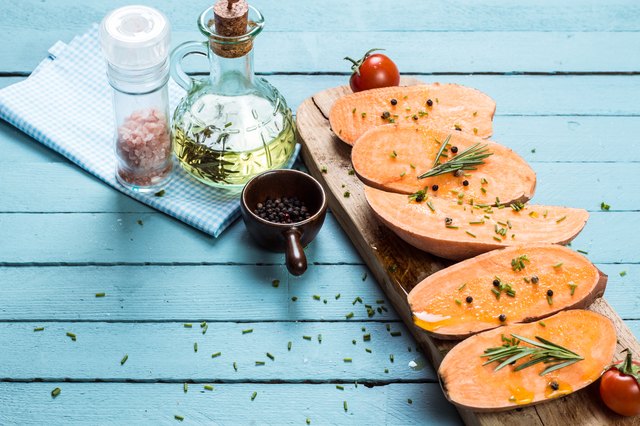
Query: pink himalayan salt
[144, 148]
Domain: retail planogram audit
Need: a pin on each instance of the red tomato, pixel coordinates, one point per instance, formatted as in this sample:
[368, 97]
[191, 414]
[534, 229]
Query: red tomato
[373, 71]
[620, 388]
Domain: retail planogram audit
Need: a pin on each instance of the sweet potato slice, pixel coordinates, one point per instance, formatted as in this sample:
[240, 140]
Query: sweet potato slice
[472, 229]
[452, 107]
[392, 157]
[470, 296]
[468, 383]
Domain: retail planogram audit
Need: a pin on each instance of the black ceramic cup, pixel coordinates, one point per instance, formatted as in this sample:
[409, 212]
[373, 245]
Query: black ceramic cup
[289, 238]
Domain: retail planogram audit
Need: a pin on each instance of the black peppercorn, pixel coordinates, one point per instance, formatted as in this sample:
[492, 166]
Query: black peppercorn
[469, 299]
[554, 385]
[429, 102]
[549, 292]
[415, 117]
[448, 221]
[434, 187]
[535, 279]
[386, 115]
[465, 182]
[285, 210]
[502, 317]
[394, 101]
[454, 149]
[496, 283]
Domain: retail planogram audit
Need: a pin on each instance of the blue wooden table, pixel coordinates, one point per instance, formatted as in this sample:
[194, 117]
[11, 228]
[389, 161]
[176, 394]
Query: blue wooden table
[565, 79]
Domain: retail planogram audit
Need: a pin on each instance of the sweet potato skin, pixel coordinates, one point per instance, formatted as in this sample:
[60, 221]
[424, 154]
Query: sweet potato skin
[434, 296]
[392, 157]
[453, 107]
[424, 229]
[469, 384]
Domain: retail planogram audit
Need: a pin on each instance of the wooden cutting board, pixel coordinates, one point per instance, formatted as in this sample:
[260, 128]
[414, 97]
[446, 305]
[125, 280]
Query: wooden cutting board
[398, 267]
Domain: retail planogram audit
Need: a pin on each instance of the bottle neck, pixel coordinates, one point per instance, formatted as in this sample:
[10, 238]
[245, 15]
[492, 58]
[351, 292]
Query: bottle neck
[232, 76]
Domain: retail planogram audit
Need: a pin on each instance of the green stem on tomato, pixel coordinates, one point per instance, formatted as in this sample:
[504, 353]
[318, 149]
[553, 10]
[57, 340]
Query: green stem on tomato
[356, 64]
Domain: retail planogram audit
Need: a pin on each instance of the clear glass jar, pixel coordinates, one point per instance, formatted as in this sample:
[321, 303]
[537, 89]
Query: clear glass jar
[231, 125]
[135, 41]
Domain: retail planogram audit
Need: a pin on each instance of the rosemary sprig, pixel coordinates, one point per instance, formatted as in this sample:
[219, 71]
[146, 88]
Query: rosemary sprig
[541, 351]
[466, 160]
[436, 162]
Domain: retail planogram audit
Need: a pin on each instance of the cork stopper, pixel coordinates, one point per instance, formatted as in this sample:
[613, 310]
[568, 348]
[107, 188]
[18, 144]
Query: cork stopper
[230, 20]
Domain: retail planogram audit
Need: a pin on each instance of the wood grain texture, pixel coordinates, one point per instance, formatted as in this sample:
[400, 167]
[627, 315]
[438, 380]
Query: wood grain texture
[227, 404]
[196, 293]
[165, 352]
[397, 266]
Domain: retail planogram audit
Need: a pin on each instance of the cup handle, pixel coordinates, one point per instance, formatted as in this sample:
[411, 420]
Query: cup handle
[294, 253]
[178, 54]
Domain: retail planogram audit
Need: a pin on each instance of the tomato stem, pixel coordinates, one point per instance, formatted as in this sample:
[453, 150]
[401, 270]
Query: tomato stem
[628, 367]
[356, 64]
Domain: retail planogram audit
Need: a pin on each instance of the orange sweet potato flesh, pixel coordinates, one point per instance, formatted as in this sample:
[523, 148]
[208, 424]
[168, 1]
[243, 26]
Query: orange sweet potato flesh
[453, 106]
[439, 303]
[426, 229]
[467, 383]
[392, 157]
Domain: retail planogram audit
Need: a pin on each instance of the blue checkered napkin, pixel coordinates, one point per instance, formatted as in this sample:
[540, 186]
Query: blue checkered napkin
[66, 105]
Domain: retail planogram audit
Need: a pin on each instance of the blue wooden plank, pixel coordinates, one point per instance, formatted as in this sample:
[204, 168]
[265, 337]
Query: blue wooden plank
[473, 52]
[283, 404]
[583, 185]
[165, 351]
[109, 238]
[216, 293]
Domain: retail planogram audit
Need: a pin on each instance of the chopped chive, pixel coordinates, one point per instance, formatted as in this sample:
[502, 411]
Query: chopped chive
[248, 330]
[572, 286]
[473, 235]
[550, 300]
[316, 297]
[55, 392]
[195, 346]
[396, 333]
[380, 301]
[319, 338]
[604, 206]
[340, 387]
[366, 337]
[497, 239]
[582, 251]
[294, 298]
[391, 358]
[270, 356]
[208, 387]
[345, 406]
[357, 300]
[185, 387]
[289, 345]
[353, 111]
[227, 125]
[477, 222]
[430, 205]
[353, 341]
[253, 395]
[72, 336]
[324, 301]
[496, 293]
[561, 219]
[203, 324]
[216, 355]
[187, 325]
[308, 421]
[346, 194]
[235, 366]
[306, 337]
[38, 329]
[557, 265]
[323, 169]
[367, 350]
[124, 359]
[388, 327]
[347, 359]
[458, 302]
[204, 330]
[623, 273]
[160, 193]
[178, 418]
[275, 283]
[542, 323]
[100, 294]
[451, 226]
[259, 362]
[412, 166]
[410, 401]
[386, 370]
[402, 174]
[337, 296]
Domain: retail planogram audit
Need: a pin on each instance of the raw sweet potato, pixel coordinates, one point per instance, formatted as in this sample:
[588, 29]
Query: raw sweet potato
[502, 287]
[443, 106]
[392, 157]
[459, 231]
[468, 383]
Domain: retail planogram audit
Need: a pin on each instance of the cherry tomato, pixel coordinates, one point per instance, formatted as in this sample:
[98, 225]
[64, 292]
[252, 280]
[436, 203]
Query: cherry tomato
[373, 71]
[620, 387]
